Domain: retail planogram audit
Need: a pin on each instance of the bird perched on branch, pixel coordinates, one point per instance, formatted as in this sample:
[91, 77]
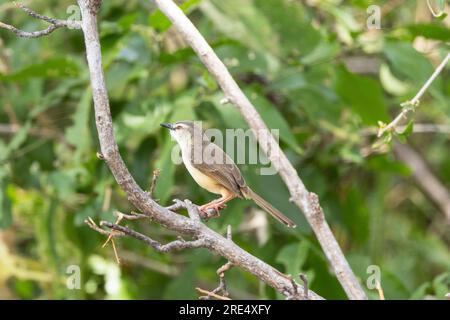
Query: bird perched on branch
[214, 170]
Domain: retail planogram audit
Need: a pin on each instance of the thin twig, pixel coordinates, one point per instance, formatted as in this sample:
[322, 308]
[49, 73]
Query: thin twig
[380, 290]
[119, 216]
[418, 128]
[412, 104]
[212, 294]
[177, 205]
[193, 211]
[305, 284]
[222, 288]
[94, 226]
[174, 245]
[132, 216]
[54, 24]
[294, 286]
[116, 253]
[229, 233]
[156, 174]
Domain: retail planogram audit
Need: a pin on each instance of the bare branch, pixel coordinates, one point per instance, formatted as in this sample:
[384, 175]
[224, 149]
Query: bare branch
[306, 201]
[28, 34]
[229, 233]
[171, 246]
[305, 284]
[177, 205]
[380, 290]
[211, 294]
[155, 177]
[193, 211]
[95, 227]
[54, 24]
[132, 216]
[418, 128]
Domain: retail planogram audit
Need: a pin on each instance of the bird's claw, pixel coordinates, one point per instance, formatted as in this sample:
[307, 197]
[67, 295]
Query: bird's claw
[211, 210]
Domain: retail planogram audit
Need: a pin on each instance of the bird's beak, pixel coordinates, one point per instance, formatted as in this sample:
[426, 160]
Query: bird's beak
[167, 125]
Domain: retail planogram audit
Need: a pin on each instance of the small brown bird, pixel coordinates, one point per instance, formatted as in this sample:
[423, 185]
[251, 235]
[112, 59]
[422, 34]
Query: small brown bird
[214, 170]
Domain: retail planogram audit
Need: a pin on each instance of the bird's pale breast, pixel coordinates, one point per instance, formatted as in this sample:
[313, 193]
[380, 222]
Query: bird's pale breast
[202, 179]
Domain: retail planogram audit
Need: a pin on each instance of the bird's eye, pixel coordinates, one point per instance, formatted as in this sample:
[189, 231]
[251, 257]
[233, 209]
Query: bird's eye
[177, 127]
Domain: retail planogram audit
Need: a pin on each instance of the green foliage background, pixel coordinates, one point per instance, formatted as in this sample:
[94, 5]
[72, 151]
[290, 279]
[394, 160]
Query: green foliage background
[297, 61]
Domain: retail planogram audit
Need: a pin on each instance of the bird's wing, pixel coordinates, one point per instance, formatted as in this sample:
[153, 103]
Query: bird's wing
[219, 166]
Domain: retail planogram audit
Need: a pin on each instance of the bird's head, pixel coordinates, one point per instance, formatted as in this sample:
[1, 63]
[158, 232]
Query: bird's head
[183, 131]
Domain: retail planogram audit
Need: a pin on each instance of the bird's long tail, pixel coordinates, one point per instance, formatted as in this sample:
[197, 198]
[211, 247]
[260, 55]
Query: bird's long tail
[250, 194]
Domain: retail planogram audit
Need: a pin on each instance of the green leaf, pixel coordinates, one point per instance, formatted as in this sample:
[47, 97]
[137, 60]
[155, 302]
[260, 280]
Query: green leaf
[409, 63]
[420, 292]
[18, 139]
[318, 102]
[46, 233]
[293, 257]
[284, 13]
[242, 21]
[390, 83]
[430, 30]
[141, 125]
[403, 136]
[363, 95]
[441, 285]
[356, 215]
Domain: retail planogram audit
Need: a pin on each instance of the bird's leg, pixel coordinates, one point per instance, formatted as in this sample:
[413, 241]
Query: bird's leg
[217, 204]
[212, 205]
[222, 201]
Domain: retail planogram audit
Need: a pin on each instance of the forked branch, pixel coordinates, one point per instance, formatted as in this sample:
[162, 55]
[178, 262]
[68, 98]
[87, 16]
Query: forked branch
[54, 24]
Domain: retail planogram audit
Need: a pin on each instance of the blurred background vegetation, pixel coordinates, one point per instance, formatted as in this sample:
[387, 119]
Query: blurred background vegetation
[313, 70]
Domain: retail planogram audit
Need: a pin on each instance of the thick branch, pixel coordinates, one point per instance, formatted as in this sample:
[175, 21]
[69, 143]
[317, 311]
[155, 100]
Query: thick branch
[308, 202]
[110, 153]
